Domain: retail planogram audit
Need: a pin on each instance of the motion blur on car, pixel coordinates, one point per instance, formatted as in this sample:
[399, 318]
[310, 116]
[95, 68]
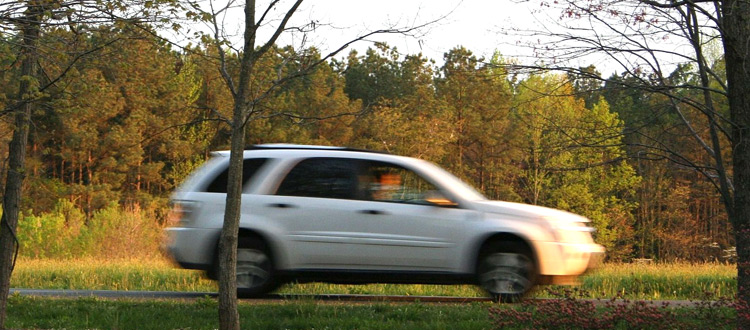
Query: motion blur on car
[338, 215]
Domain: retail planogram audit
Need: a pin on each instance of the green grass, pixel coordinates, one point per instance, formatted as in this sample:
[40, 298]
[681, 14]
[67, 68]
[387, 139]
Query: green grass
[92, 313]
[631, 281]
[653, 281]
[89, 313]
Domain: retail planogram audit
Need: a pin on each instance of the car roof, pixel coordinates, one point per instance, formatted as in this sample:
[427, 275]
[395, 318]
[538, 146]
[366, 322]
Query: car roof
[292, 150]
[285, 146]
[296, 151]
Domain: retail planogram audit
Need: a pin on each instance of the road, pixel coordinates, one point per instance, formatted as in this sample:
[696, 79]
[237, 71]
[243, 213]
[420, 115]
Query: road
[197, 295]
[277, 297]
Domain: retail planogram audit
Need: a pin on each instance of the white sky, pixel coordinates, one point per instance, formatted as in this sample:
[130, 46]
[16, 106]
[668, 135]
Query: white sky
[478, 25]
[469, 23]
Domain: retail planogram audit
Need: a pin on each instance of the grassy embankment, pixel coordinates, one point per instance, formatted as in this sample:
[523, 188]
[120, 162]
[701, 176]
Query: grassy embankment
[631, 281]
[89, 313]
[671, 281]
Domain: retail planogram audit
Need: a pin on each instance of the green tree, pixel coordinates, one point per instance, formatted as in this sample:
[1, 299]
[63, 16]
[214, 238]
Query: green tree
[587, 84]
[112, 134]
[632, 34]
[573, 159]
[478, 99]
[312, 109]
[29, 21]
[411, 122]
[374, 78]
[651, 129]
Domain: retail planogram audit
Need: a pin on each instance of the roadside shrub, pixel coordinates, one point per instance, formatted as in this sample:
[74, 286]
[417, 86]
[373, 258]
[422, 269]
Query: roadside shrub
[51, 234]
[117, 232]
[111, 232]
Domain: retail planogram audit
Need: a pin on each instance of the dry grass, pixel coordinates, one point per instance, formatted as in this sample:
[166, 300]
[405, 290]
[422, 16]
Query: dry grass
[633, 281]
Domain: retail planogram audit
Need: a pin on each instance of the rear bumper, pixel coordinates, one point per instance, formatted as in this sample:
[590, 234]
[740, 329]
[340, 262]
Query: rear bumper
[192, 248]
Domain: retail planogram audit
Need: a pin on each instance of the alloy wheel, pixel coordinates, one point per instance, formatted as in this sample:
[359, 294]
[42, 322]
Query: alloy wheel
[253, 268]
[506, 275]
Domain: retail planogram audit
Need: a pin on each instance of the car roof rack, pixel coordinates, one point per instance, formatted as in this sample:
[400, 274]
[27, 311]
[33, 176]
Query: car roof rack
[278, 146]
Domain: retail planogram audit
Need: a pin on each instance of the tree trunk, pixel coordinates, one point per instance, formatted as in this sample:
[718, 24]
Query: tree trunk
[229, 318]
[17, 156]
[736, 30]
[228, 315]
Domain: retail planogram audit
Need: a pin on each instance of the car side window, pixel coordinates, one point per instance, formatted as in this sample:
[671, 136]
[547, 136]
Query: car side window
[249, 167]
[322, 178]
[392, 183]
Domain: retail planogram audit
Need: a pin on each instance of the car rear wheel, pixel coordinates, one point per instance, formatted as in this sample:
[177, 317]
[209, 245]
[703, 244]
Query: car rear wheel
[255, 268]
[506, 271]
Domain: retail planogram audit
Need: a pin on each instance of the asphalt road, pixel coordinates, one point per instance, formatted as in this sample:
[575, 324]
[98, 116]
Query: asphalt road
[110, 294]
[197, 295]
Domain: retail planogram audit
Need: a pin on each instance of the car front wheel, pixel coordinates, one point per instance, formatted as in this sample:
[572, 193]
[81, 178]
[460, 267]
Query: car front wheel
[506, 271]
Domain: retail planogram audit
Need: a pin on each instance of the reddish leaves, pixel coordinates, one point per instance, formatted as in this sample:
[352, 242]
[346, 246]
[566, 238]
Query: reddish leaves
[570, 311]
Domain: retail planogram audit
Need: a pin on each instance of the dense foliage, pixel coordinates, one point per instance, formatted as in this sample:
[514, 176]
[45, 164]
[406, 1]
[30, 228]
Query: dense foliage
[128, 122]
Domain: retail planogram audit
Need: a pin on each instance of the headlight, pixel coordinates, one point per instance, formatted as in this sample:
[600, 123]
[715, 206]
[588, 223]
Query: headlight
[570, 230]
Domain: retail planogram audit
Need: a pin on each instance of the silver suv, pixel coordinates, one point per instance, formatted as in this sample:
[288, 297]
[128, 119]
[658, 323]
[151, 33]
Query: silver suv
[312, 213]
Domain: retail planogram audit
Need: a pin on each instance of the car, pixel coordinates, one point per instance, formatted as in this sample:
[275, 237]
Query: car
[341, 215]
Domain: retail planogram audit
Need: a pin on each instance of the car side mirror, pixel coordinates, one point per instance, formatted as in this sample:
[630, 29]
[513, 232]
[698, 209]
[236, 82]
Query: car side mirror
[437, 198]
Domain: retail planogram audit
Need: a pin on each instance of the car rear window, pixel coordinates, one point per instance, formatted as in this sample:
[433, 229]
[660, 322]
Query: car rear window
[249, 167]
[322, 178]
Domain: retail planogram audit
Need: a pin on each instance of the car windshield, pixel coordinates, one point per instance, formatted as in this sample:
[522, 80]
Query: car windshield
[452, 183]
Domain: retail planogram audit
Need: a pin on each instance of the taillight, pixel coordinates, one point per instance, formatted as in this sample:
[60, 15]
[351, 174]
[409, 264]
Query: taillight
[182, 212]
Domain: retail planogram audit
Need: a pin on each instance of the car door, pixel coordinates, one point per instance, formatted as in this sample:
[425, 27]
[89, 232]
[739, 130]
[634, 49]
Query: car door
[405, 231]
[335, 215]
[314, 206]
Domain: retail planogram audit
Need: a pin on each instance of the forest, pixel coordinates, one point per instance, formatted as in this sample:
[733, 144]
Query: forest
[128, 121]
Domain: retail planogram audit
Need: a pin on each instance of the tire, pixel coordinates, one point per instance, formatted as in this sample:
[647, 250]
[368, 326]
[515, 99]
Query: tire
[506, 271]
[255, 268]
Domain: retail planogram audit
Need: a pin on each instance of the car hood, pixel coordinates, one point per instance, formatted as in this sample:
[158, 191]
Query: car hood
[527, 211]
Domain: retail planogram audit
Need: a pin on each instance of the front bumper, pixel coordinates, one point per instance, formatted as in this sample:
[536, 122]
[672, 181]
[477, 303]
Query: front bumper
[568, 259]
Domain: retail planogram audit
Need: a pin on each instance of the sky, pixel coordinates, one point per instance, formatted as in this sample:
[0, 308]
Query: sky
[473, 24]
[481, 26]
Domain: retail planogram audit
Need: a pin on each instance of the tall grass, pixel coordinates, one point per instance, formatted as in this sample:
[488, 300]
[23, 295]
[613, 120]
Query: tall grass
[154, 274]
[671, 281]
[652, 282]
[662, 281]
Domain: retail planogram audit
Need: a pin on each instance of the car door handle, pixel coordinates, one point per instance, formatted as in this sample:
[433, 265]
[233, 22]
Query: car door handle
[373, 212]
[281, 205]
